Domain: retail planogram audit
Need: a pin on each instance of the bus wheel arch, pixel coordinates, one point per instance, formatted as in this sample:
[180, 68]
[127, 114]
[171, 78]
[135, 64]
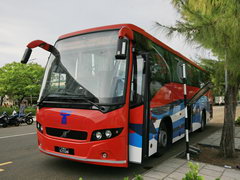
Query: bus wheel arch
[164, 135]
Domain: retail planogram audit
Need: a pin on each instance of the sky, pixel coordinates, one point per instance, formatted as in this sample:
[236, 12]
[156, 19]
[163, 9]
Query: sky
[24, 21]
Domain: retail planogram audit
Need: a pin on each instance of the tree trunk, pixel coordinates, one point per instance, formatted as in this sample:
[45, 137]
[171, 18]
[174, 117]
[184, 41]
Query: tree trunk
[1, 103]
[228, 132]
[20, 101]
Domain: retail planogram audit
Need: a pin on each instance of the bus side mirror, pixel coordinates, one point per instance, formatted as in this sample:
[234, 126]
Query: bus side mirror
[26, 56]
[121, 49]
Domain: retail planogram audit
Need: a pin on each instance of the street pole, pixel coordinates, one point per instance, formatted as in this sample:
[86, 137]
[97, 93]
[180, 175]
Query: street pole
[186, 110]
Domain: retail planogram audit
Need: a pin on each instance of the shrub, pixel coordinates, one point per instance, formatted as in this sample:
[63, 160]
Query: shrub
[9, 110]
[193, 173]
[238, 121]
[30, 109]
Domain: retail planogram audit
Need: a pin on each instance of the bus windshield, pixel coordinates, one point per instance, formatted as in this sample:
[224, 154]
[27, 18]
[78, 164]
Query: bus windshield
[86, 68]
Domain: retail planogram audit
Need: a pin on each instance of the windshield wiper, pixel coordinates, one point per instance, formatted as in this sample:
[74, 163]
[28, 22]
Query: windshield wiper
[80, 97]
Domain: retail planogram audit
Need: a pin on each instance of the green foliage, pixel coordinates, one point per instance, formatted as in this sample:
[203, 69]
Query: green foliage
[216, 26]
[138, 177]
[193, 173]
[215, 68]
[19, 80]
[238, 121]
[30, 109]
[9, 110]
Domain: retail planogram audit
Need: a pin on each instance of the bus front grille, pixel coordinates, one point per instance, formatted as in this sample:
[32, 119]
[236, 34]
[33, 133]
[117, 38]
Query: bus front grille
[66, 133]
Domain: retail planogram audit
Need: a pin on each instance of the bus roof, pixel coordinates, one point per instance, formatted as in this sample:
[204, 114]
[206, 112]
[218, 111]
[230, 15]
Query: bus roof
[136, 29]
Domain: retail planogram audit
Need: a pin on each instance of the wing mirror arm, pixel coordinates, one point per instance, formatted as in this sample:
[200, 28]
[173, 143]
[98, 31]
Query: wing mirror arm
[41, 44]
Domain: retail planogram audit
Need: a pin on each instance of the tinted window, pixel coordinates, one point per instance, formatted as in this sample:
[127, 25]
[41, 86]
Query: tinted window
[160, 74]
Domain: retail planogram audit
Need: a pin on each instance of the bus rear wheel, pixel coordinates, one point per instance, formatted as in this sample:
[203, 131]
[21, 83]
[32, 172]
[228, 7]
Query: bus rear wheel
[163, 139]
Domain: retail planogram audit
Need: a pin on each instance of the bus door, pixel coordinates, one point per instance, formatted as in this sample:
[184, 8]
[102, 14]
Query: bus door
[139, 109]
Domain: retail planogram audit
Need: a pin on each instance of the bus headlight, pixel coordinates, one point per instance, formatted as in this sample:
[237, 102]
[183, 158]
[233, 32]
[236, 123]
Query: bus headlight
[108, 134]
[104, 134]
[98, 135]
[39, 127]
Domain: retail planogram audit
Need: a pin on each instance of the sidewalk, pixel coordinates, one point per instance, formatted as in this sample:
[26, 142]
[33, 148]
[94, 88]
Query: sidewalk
[215, 138]
[175, 169]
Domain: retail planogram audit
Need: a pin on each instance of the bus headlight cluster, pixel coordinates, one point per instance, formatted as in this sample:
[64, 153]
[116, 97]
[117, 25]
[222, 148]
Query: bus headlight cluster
[105, 134]
[39, 127]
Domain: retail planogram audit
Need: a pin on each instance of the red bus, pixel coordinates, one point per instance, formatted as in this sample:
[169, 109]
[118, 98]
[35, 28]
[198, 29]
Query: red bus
[113, 95]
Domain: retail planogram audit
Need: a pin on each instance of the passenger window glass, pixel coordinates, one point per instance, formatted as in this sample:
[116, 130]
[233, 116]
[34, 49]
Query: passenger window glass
[160, 74]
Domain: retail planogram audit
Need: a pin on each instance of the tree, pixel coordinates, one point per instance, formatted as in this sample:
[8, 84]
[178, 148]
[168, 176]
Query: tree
[18, 80]
[215, 25]
[215, 69]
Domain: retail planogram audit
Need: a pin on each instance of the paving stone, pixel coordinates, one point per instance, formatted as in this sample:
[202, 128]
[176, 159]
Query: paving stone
[183, 170]
[177, 161]
[167, 178]
[210, 172]
[170, 164]
[156, 174]
[207, 177]
[176, 175]
[232, 173]
[215, 168]
[205, 141]
[201, 165]
[216, 143]
[164, 169]
[227, 178]
[147, 178]
[238, 147]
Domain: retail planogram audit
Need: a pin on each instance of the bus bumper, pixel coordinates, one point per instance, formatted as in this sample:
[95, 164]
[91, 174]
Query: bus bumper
[106, 152]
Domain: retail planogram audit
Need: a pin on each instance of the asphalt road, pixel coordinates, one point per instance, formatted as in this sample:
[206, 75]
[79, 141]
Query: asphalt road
[20, 158]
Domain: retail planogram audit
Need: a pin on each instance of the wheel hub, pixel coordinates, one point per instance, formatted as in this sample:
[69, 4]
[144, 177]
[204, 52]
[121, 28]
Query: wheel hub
[163, 138]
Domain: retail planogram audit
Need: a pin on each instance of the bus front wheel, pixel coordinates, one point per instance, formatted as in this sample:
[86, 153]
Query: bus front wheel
[163, 139]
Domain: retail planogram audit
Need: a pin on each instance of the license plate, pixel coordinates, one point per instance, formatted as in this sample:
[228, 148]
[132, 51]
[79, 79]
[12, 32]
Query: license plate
[64, 150]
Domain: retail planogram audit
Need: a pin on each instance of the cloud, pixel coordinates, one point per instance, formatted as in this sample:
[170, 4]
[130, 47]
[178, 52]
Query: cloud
[27, 20]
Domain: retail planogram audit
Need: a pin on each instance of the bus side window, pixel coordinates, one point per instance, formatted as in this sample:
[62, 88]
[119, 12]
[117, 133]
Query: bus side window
[160, 73]
[137, 83]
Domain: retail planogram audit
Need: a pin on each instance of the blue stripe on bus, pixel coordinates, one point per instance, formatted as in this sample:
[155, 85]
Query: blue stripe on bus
[135, 139]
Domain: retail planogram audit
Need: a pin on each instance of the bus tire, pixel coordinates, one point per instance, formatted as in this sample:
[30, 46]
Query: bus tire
[203, 121]
[163, 139]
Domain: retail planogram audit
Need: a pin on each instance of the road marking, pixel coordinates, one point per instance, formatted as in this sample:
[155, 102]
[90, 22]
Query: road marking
[3, 137]
[6, 163]
[3, 164]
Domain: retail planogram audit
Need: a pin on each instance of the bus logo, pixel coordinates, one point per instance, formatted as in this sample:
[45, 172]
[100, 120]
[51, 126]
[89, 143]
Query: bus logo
[64, 115]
